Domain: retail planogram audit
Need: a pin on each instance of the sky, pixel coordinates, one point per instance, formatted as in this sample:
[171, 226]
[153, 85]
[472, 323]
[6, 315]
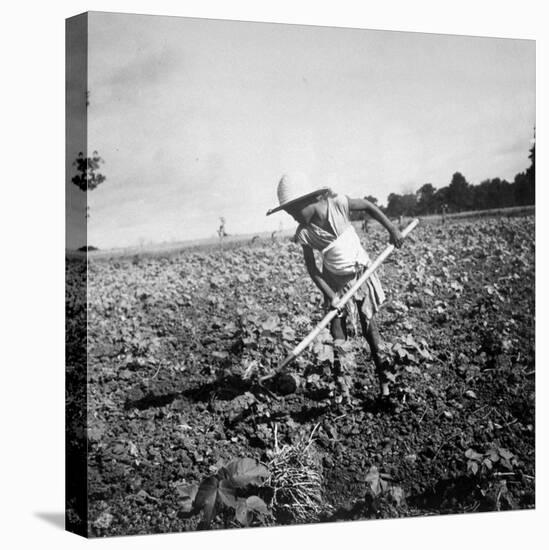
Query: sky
[198, 119]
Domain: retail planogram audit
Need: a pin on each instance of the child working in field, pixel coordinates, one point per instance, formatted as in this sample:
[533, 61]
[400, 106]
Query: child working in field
[325, 225]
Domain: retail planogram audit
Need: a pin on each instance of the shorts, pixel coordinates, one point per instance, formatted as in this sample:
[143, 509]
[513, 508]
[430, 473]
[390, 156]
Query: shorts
[367, 300]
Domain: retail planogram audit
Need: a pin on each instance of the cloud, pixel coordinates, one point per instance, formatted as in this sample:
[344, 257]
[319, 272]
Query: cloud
[144, 69]
[512, 148]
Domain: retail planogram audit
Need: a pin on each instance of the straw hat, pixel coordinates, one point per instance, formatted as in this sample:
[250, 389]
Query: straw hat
[293, 188]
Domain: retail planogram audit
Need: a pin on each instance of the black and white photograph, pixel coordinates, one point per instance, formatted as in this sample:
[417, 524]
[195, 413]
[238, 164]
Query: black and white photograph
[300, 274]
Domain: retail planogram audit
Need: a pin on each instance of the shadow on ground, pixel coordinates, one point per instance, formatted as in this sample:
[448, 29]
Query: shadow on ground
[57, 519]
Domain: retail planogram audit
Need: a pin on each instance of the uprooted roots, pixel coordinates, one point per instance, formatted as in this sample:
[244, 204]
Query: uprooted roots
[297, 480]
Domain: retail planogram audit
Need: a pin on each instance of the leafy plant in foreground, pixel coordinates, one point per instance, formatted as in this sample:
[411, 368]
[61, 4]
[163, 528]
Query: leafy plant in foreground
[405, 353]
[494, 457]
[228, 491]
[382, 485]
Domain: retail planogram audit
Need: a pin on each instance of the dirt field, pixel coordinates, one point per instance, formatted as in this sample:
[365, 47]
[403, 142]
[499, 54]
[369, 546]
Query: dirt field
[169, 340]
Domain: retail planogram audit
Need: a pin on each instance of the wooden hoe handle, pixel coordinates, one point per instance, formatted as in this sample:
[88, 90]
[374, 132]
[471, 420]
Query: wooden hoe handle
[302, 346]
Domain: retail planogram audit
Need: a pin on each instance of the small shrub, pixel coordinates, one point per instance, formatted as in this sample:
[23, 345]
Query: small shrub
[227, 492]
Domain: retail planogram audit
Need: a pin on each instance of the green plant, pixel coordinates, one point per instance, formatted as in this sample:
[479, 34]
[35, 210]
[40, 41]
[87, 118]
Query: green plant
[381, 485]
[228, 492]
[494, 458]
[88, 176]
[407, 354]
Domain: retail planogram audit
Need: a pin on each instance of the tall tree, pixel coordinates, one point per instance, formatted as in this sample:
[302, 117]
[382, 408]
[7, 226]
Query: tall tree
[524, 186]
[401, 205]
[88, 176]
[531, 172]
[425, 199]
[459, 194]
[440, 199]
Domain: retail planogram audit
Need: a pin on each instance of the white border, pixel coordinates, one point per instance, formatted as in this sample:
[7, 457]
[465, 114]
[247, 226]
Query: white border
[33, 268]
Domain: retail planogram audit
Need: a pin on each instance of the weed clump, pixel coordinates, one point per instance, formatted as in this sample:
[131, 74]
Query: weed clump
[297, 480]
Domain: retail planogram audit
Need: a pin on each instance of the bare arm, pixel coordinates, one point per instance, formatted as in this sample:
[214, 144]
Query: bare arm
[315, 274]
[378, 215]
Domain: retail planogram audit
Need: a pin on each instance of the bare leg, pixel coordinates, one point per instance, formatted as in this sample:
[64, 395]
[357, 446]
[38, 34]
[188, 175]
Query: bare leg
[342, 358]
[371, 333]
[338, 328]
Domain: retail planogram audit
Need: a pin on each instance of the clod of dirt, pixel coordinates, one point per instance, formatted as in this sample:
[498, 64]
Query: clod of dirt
[285, 383]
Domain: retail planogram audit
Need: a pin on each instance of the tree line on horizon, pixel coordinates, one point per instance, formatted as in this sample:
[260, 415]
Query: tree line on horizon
[460, 195]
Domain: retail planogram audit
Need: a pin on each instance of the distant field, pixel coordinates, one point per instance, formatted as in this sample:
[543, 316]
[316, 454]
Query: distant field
[169, 249]
[511, 211]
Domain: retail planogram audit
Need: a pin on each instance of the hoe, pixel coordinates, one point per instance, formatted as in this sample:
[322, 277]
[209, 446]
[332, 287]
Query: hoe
[287, 381]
